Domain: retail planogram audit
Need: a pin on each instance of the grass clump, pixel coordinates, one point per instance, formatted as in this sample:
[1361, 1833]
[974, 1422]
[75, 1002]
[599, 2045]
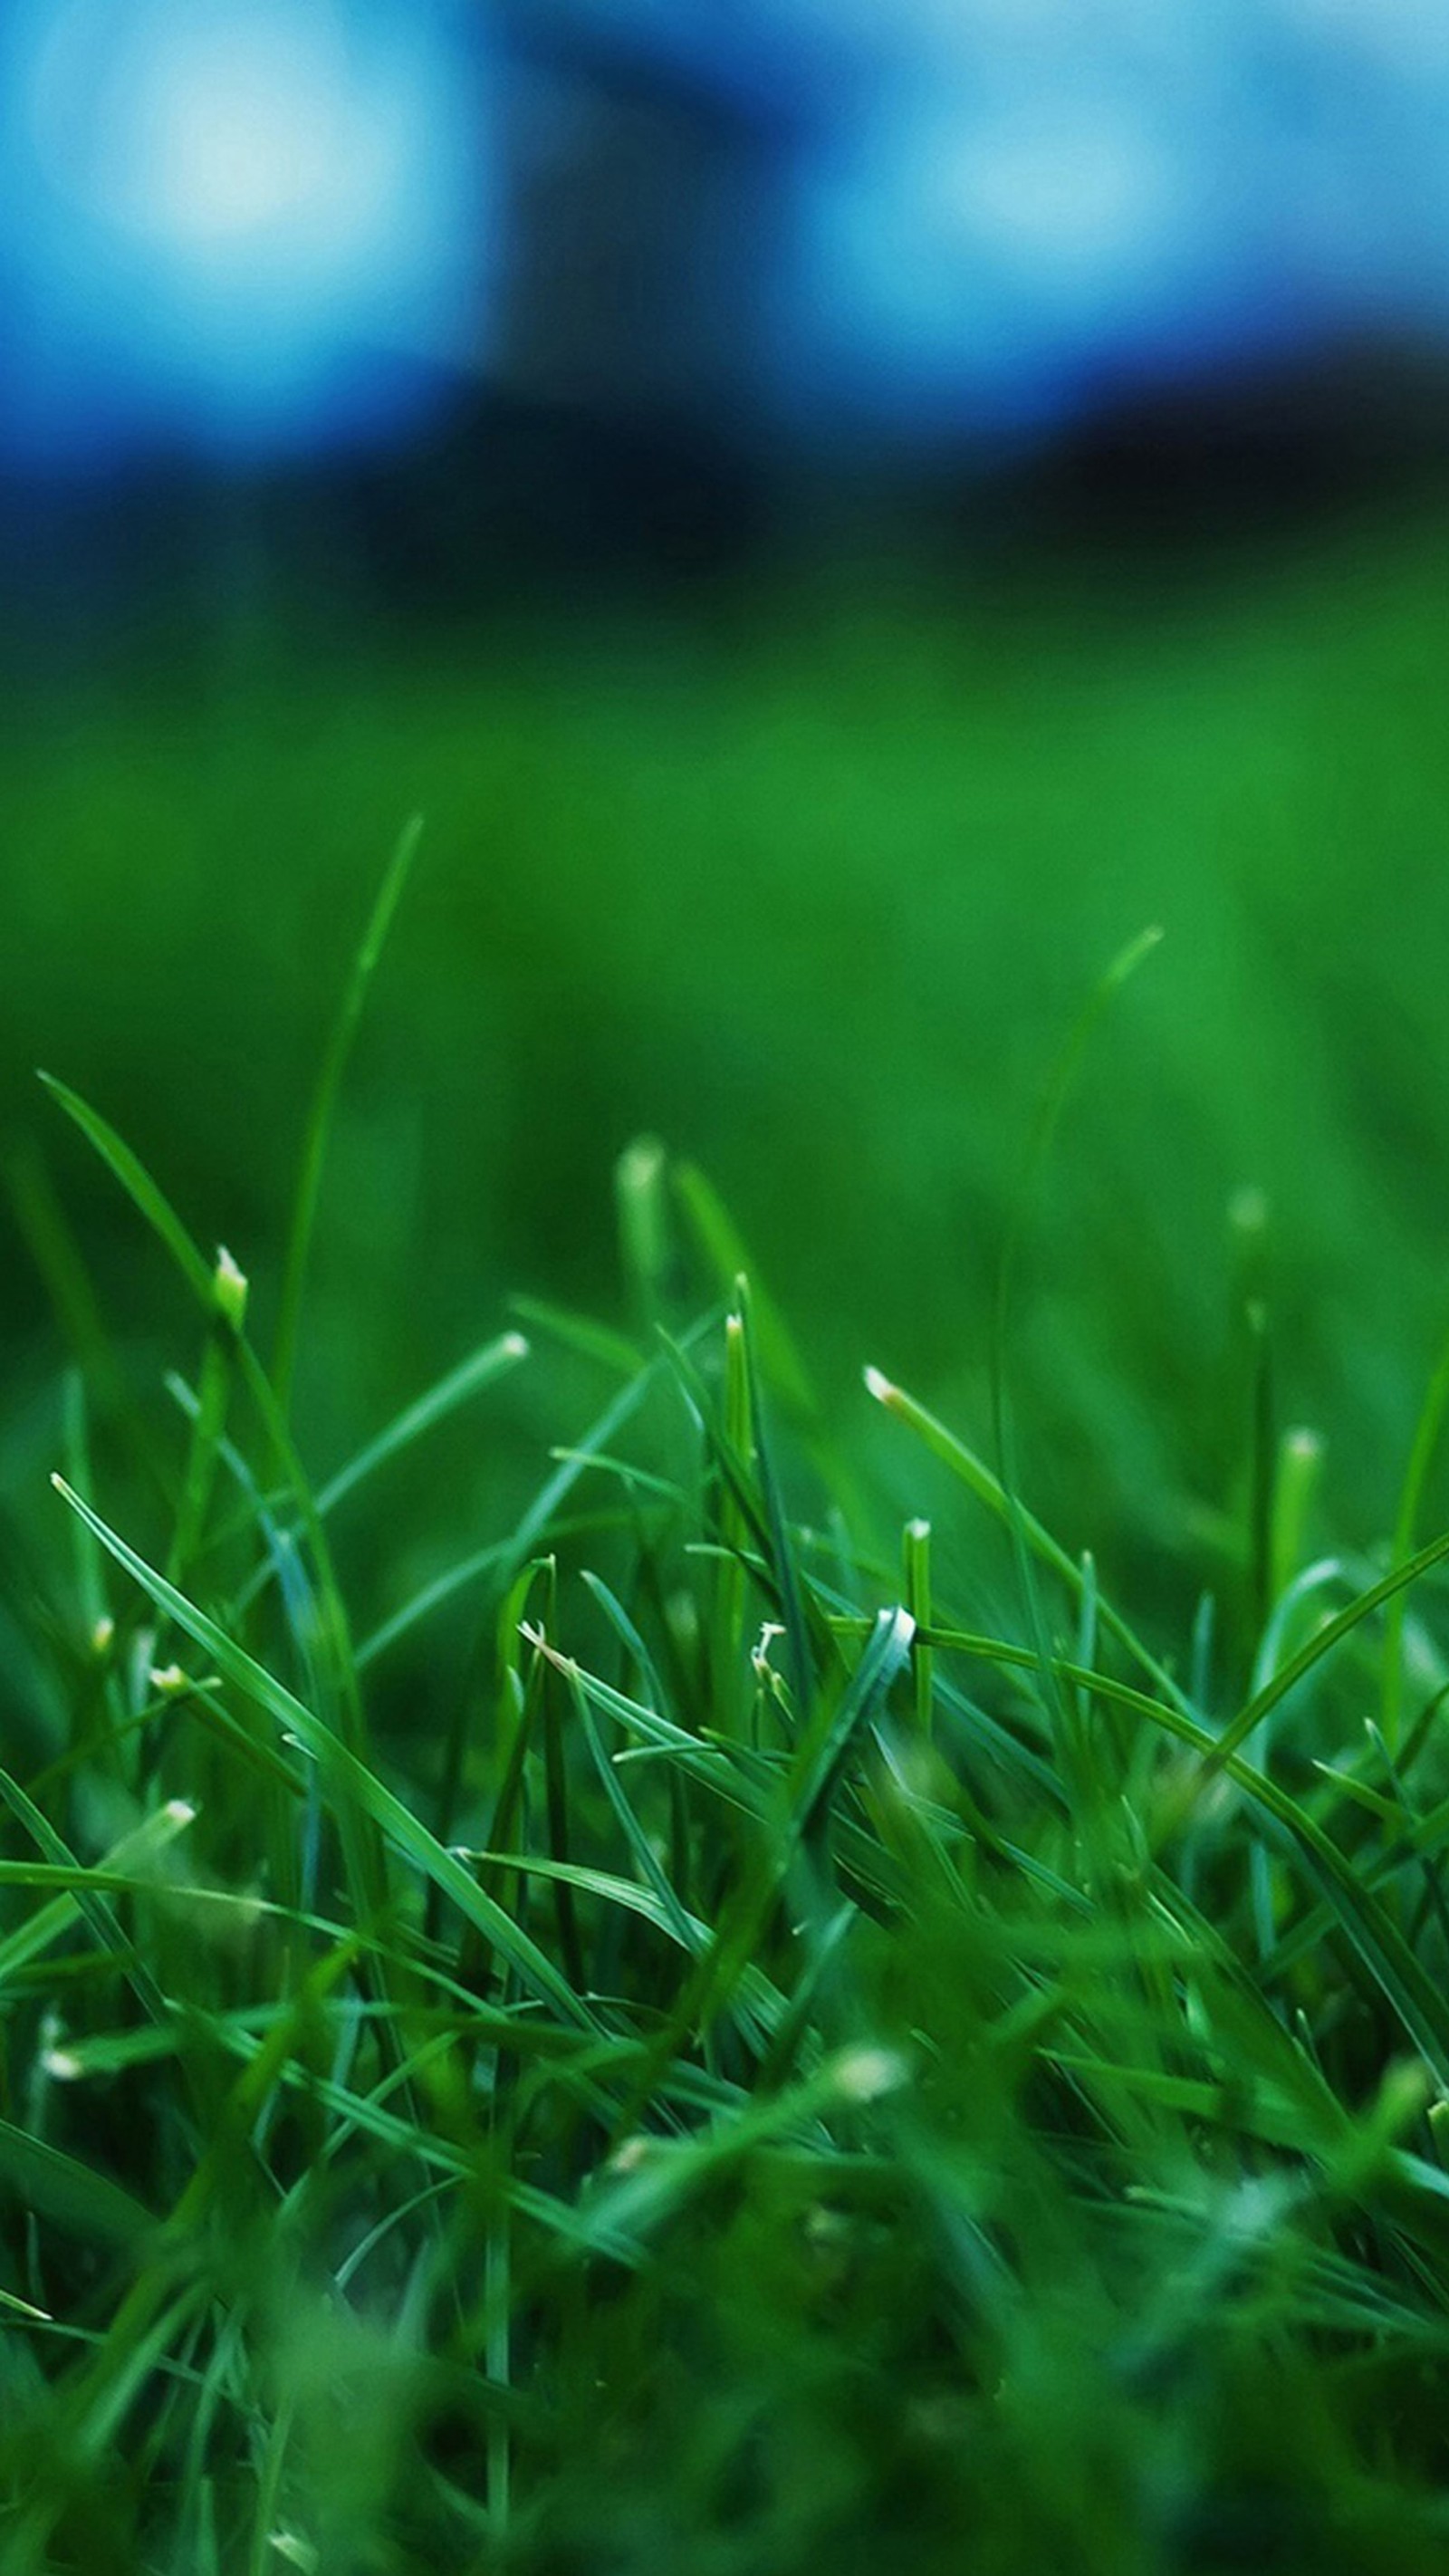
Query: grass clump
[788, 2042]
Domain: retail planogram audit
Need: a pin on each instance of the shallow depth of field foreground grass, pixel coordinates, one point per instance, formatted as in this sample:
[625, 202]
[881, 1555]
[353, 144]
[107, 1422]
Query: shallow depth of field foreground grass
[746, 2062]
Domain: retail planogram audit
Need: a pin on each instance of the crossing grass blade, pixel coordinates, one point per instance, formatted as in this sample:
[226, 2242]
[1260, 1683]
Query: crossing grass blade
[483, 1367]
[348, 1783]
[1326, 1638]
[69, 2194]
[981, 1480]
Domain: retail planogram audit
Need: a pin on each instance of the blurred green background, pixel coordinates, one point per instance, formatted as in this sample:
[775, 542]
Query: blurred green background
[810, 877]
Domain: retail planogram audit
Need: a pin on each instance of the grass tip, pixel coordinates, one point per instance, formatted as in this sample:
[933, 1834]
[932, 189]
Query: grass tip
[630, 2154]
[878, 1385]
[294, 2551]
[515, 1346]
[1405, 2094]
[869, 2074]
[230, 1289]
[641, 1163]
[537, 1638]
[26, 2308]
[1248, 1209]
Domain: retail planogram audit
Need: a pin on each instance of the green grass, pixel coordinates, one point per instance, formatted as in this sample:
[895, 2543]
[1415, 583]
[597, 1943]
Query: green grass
[736, 2055]
[835, 871]
[624, 1944]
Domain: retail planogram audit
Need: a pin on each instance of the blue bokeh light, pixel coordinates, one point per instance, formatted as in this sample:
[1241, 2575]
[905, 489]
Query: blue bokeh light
[257, 227]
[1032, 207]
[240, 228]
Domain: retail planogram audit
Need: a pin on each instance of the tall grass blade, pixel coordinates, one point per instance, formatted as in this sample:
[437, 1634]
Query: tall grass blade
[324, 1103]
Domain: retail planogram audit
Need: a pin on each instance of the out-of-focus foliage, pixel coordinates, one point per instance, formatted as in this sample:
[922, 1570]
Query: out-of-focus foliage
[813, 894]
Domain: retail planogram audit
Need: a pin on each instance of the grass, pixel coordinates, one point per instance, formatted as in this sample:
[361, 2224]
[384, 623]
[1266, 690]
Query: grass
[621, 1945]
[836, 868]
[719, 2032]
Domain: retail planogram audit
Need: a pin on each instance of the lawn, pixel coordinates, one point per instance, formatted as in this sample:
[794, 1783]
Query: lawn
[578, 1992]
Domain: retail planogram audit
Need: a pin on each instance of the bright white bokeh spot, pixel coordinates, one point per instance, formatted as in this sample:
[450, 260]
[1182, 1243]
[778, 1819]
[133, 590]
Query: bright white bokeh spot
[219, 129]
[1078, 194]
[244, 136]
[976, 261]
[231, 208]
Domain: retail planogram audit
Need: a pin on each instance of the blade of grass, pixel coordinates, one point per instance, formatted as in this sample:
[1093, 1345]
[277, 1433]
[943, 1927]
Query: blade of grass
[1322, 1643]
[988, 1488]
[350, 1781]
[724, 1249]
[72, 2196]
[1428, 1431]
[1081, 1776]
[324, 1102]
[483, 1367]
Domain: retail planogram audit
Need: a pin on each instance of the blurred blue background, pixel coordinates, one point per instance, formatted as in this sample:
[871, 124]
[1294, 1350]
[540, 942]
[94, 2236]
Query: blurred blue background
[253, 227]
[839, 514]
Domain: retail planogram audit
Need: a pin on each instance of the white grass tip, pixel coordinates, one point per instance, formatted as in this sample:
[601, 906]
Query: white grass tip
[103, 1637]
[25, 2308]
[642, 1163]
[168, 1679]
[917, 1531]
[62, 2065]
[229, 1285]
[1303, 1445]
[760, 1651]
[179, 1812]
[294, 2551]
[869, 2074]
[878, 1385]
[515, 1346]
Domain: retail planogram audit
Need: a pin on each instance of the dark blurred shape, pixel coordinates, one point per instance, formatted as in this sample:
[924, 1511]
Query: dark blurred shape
[647, 208]
[517, 499]
[1284, 449]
